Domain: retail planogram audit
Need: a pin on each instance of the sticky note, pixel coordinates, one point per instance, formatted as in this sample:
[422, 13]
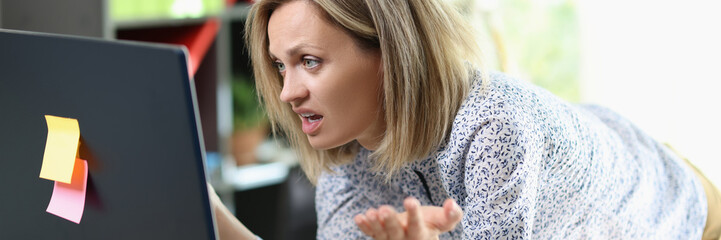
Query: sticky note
[61, 149]
[68, 200]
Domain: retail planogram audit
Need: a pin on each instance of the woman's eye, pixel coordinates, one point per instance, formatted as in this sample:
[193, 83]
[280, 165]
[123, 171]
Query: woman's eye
[310, 63]
[280, 66]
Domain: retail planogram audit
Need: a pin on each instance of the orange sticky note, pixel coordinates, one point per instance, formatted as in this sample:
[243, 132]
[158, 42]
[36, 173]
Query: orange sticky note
[68, 200]
[60, 149]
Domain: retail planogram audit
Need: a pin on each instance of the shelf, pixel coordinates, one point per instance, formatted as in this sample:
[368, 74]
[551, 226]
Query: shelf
[157, 22]
[237, 11]
[256, 175]
[275, 162]
[197, 38]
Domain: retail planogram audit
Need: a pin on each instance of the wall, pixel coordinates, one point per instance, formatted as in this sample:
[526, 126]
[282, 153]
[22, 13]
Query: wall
[657, 62]
[65, 17]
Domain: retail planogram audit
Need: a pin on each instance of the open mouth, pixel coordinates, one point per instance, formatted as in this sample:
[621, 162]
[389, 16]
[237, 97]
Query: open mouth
[312, 117]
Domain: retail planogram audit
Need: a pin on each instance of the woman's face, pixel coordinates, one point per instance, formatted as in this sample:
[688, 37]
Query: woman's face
[333, 85]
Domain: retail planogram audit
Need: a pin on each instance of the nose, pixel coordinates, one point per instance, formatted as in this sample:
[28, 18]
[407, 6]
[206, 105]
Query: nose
[293, 89]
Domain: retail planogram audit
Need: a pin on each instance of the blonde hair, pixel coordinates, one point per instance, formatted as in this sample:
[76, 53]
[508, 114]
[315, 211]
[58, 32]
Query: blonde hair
[428, 54]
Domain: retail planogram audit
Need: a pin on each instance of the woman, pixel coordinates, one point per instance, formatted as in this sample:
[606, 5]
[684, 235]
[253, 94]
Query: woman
[384, 102]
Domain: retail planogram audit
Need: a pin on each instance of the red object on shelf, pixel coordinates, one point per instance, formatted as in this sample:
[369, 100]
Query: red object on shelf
[197, 38]
[199, 41]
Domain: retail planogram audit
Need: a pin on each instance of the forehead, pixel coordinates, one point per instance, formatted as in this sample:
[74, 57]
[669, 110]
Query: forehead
[297, 10]
[296, 23]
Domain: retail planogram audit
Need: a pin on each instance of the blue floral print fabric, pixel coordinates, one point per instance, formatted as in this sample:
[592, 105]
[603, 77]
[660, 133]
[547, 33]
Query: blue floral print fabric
[524, 164]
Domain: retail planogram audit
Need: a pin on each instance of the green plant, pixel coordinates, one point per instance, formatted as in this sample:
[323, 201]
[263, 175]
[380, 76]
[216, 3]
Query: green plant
[247, 111]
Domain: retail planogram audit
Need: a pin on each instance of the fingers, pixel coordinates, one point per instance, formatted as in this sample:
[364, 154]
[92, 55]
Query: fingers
[418, 222]
[415, 227]
[383, 223]
[390, 222]
[363, 224]
[453, 214]
[376, 228]
[370, 224]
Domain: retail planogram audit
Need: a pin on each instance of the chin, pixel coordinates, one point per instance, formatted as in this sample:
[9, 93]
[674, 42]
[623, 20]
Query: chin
[324, 144]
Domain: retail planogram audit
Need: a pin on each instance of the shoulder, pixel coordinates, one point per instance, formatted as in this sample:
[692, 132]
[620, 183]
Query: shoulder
[503, 122]
[501, 103]
[511, 121]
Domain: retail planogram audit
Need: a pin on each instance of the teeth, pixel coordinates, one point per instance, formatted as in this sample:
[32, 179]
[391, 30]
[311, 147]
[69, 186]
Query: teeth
[309, 117]
[312, 121]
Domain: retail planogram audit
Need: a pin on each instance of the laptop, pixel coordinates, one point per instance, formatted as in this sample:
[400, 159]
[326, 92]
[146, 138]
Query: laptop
[138, 122]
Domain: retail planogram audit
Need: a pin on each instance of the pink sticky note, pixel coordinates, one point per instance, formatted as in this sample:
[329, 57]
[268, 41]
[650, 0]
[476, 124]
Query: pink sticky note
[68, 200]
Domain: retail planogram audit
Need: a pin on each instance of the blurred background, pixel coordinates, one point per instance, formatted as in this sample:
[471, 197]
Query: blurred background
[655, 62]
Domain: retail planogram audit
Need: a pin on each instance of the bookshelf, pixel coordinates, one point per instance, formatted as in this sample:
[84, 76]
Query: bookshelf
[204, 32]
[214, 39]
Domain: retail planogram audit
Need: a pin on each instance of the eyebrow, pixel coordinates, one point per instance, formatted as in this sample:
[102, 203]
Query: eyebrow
[295, 49]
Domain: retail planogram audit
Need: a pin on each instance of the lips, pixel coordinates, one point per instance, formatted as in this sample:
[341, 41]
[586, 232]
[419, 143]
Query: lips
[311, 122]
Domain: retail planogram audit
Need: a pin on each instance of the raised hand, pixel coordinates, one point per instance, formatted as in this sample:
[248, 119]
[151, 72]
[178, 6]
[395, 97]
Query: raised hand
[418, 222]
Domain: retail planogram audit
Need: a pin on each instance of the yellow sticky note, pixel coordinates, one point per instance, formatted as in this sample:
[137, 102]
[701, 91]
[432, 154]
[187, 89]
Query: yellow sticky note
[60, 149]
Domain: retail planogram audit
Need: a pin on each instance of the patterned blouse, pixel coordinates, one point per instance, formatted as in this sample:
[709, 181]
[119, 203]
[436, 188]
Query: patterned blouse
[523, 164]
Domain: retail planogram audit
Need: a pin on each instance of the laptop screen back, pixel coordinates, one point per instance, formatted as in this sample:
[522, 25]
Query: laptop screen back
[139, 133]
